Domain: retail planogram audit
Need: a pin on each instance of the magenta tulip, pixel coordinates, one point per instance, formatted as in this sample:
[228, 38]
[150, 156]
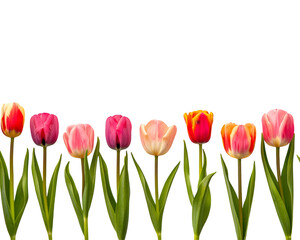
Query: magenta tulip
[44, 129]
[79, 139]
[278, 127]
[118, 132]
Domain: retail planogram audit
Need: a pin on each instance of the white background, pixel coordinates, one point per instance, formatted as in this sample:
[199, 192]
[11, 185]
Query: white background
[87, 60]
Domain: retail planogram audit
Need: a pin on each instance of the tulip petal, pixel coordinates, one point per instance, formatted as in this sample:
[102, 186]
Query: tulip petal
[167, 140]
[201, 128]
[110, 132]
[286, 130]
[123, 131]
[240, 142]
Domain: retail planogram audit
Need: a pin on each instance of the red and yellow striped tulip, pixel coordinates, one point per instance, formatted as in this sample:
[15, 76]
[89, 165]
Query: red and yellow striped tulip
[12, 119]
[199, 124]
[238, 140]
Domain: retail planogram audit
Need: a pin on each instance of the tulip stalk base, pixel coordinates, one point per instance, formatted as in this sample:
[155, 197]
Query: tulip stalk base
[158, 236]
[86, 231]
[288, 237]
[196, 237]
[278, 172]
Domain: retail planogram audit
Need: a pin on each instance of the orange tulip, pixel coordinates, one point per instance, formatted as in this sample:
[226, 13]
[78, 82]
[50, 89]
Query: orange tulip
[238, 140]
[157, 137]
[12, 119]
[199, 125]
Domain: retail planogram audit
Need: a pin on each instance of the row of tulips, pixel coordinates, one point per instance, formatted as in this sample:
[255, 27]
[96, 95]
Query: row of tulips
[156, 138]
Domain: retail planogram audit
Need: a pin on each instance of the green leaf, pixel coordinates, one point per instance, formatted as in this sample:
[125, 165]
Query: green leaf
[201, 205]
[248, 201]
[38, 184]
[122, 208]
[287, 180]
[149, 199]
[4, 180]
[108, 196]
[93, 169]
[165, 192]
[51, 194]
[87, 192]
[186, 169]
[233, 200]
[273, 185]
[74, 196]
[203, 173]
[21, 198]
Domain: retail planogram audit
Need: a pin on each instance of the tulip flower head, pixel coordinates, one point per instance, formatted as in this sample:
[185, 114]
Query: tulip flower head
[118, 132]
[278, 127]
[44, 129]
[157, 137]
[79, 139]
[199, 125]
[238, 140]
[12, 119]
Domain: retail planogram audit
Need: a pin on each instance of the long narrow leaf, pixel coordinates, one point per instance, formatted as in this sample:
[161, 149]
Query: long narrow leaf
[74, 196]
[248, 202]
[87, 194]
[201, 205]
[108, 196]
[233, 200]
[52, 193]
[273, 185]
[122, 208]
[21, 198]
[287, 180]
[38, 184]
[149, 199]
[186, 168]
[5, 197]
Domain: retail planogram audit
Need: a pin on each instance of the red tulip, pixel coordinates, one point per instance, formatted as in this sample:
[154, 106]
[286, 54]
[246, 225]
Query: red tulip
[118, 132]
[79, 139]
[44, 129]
[12, 119]
[238, 140]
[278, 127]
[199, 125]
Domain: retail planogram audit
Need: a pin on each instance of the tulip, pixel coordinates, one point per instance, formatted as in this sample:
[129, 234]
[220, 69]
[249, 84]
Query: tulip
[278, 127]
[12, 119]
[157, 137]
[79, 139]
[44, 129]
[238, 140]
[199, 125]
[118, 132]
[44, 132]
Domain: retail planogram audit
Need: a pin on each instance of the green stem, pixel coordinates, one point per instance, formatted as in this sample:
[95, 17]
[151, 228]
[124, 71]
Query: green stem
[45, 179]
[278, 172]
[288, 237]
[50, 235]
[86, 231]
[240, 193]
[118, 170]
[158, 236]
[12, 237]
[156, 184]
[196, 237]
[82, 171]
[11, 181]
[200, 159]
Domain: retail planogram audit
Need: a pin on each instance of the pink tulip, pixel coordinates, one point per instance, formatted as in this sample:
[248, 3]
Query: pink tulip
[118, 132]
[278, 127]
[157, 137]
[79, 139]
[44, 129]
